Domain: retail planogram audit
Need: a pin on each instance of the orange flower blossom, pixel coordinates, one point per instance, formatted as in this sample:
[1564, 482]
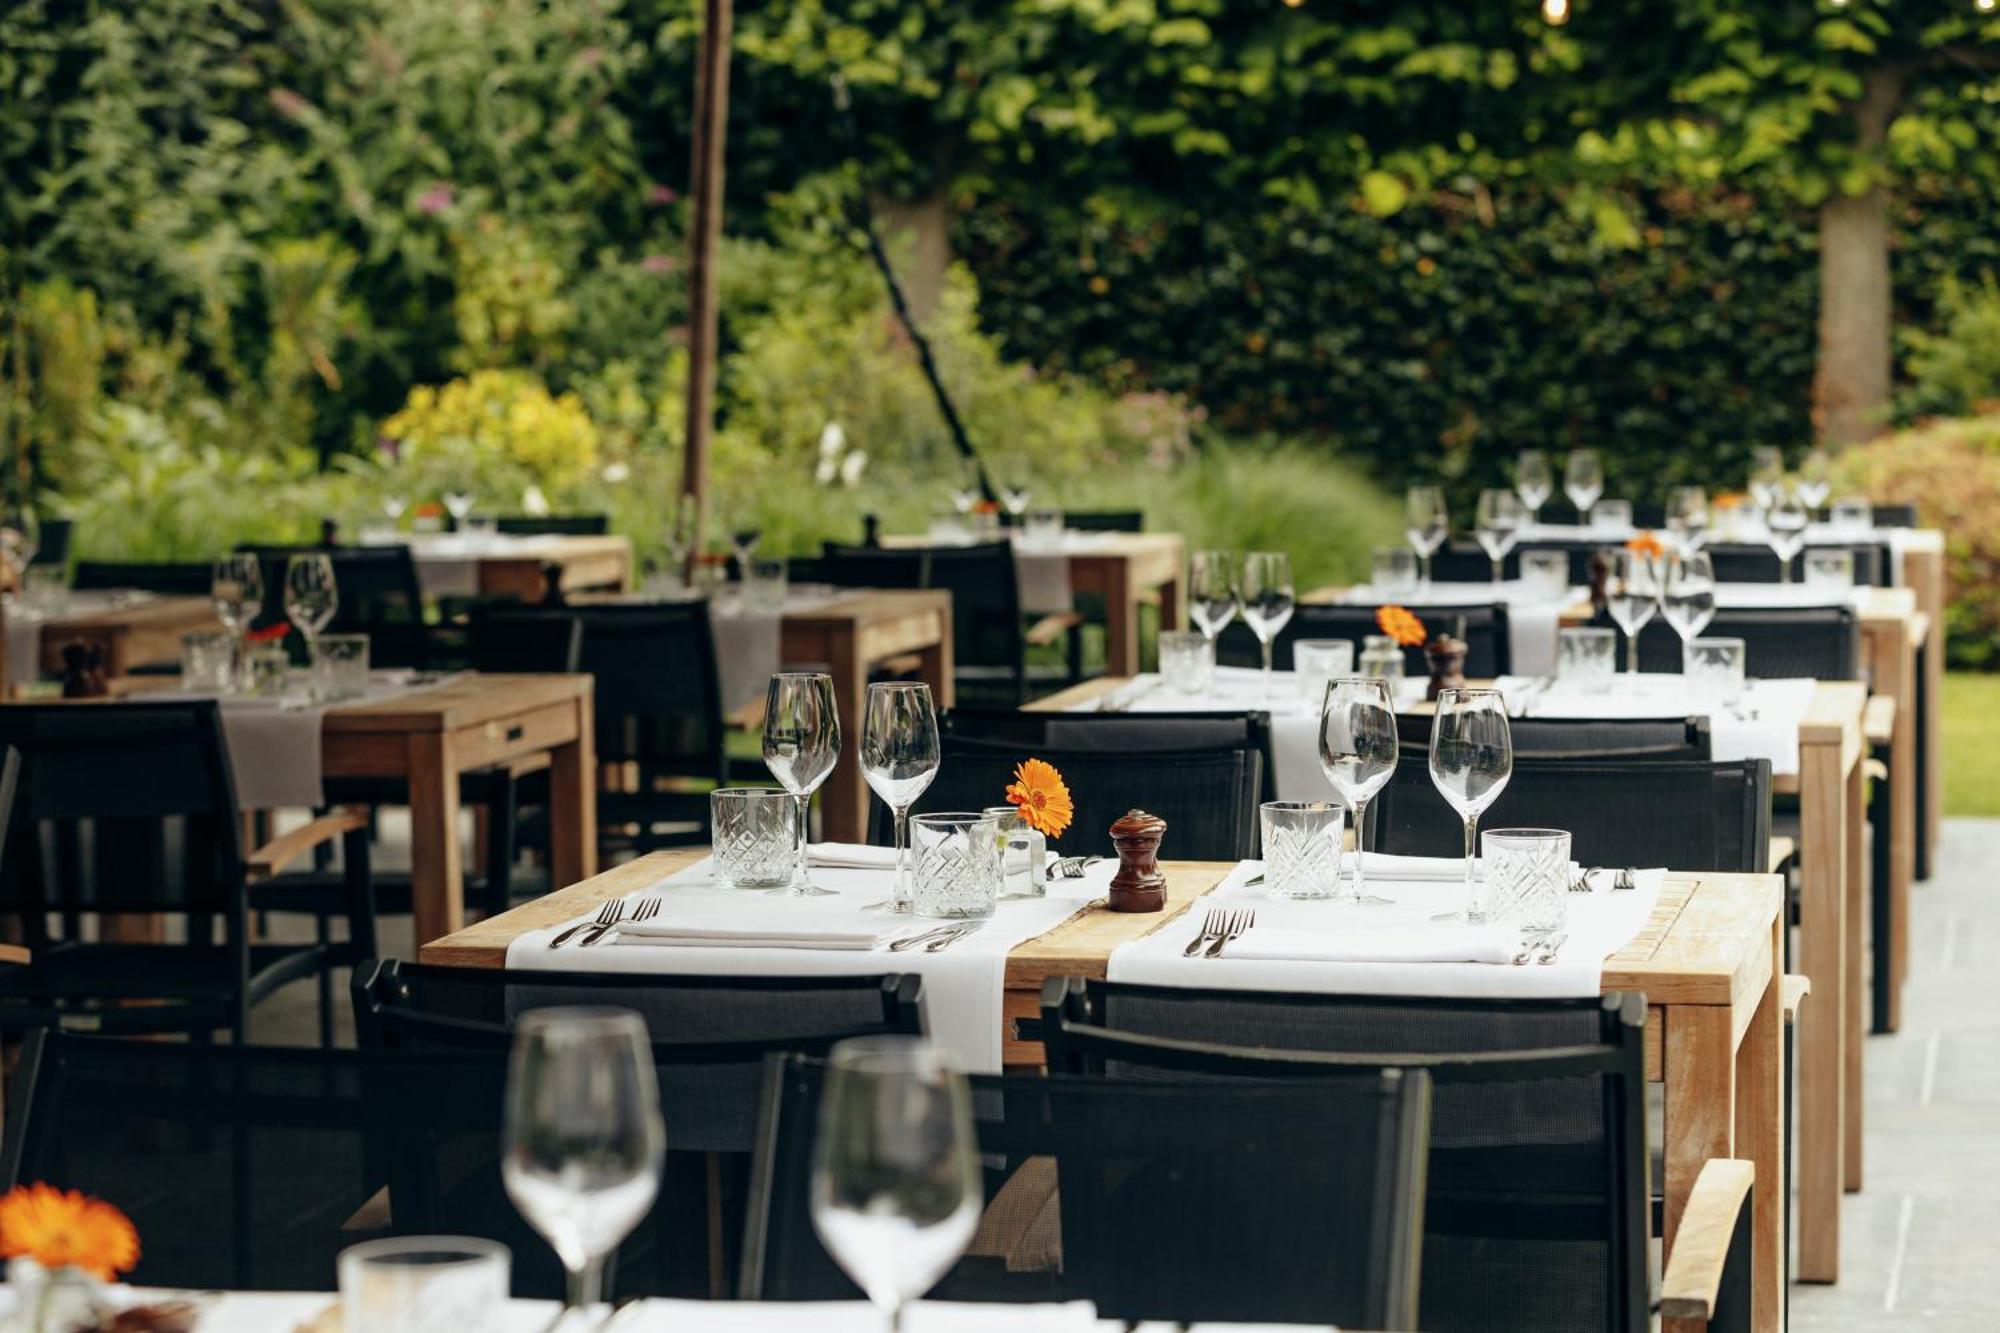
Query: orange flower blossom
[1039, 793]
[1646, 544]
[1400, 625]
[64, 1229]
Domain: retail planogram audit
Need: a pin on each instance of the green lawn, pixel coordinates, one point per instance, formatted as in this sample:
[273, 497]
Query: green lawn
[1971, 744]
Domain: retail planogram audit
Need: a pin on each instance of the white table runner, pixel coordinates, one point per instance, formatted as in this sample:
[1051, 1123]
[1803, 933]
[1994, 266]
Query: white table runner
[1763, 725]
[963, 984]
[1784, 597]
[1600, 923]
[25, 624]
[1534, 613]
[274, 744]
[1043, 570]
[749, 644]
[448, 562]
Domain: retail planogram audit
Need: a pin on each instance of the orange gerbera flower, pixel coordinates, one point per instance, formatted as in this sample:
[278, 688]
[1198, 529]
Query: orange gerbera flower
[62, 1228]
[1039, 793]
[1400, 625]
[1727, 500]
[1646, 544]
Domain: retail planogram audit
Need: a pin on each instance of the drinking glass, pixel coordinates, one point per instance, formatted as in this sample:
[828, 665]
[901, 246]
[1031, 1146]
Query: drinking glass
[1534, 482]
[207, 663]
[752, 832]
[1546, 574]
[1785, 532]
[1767, 476]
[459, 505]
[1394, 573]
[896, 1189]
[1212, 600]
[764, 583]
[1632, 594]
[1527, 879]
[423, 1284]
[1611, 516]
[266, 672]
[1583, 481]
[1687, 598]
[1426, 522]
[1587, 658]
[899, 759]
[1267, 600]
[310, 597]
[1381, 658]
[1357, 752]
[1472, 757]
[480, 530]
[342, 665]
[957, 865]
[236, 586]
[1687, 516]
[744, 541]
[1316, 663]
[1815, 478]
[801, 744]
[20, 539]
[1042, 529]
[1187, 661]
[1497, 525]
[965, 488]
[1301, 848]
[1024, 853]
[1830, 571]
[1014, 496]
[1852, 516]
[1715, 669]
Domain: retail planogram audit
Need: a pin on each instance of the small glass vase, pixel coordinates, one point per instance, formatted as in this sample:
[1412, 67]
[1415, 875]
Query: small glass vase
[1382, 658]
[1024, 854]
[52, 1300]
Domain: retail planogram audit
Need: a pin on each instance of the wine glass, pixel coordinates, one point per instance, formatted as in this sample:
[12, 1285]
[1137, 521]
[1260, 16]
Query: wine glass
[1785, 531]
[1815, 480]
[744, 542]
[1533, 481]
[20, 539]
[801, 744]
[310, 597]
[1767, 476]
[1426, 522]
[1497, 525]
[965, 488]
[896, 1190]
[583, 1139]
[236, 586]
[1687, 599]
[1472, 757]
[1687, 516]
[1014, 495]
[458, 504]
[899, 758]
[1632, 594]
[1583, 481]
[1212, 600]
[1267, 600]
[1357, 751]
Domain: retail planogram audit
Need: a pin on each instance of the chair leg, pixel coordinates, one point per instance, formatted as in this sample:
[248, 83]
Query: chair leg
[502, 821]
[1882, 966]
[323, 978]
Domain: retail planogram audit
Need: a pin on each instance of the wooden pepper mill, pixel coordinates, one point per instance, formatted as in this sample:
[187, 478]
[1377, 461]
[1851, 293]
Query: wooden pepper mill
[1138, 886]
[1446, 655]
[84, 675]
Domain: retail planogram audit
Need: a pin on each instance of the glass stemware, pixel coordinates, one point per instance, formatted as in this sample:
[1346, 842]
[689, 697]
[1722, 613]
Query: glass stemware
[1212, 600]
[459, 505]
[1815, 479]
[1687, 516]
[1472, 758]
[1687, 598]
[744, 542]
[1426, 522]
[1497, 525]
[310, 597]
[896, 1190]
[1785, 531]
[1534, 482]
[801, 745]
[1268, 600]
[583, 1140]
[1767, 476]
[899, 759]
[1357, 751]
[1583, 481]
[1632, 594]
[236, 586]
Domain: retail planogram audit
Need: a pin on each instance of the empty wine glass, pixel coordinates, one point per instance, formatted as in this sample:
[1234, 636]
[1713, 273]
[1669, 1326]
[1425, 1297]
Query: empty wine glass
[1014, 495]
[1426, 522]
[1785, 525]
[20, 539]
[1815, 479]
[1267, 600]
[1533, 481]
[744, 542]
[458, 504]
[1357, 751]
[965, 488]
[1212, 601]
[896, 1190]
[1632, 594]
[1583, 481]
[1687, 598]
[1472, 757]
[236, 586]
[583, 1138]
[1687, 516]
[310, 597]
[801, 745]
[1497, 525]
[1767, 476]
[899, 758]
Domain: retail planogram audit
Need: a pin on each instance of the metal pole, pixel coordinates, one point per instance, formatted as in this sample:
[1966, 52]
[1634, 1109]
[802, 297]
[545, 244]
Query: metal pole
[711, 127]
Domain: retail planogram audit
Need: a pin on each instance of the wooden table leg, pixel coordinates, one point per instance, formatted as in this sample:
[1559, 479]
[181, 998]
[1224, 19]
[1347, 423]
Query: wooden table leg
[843, 802]
[573, 802]
[1173, 607]
[1121, 620]
[1760, 1137]
[1923, 571]
[1854, 1031]
[1821, 1045]
[934, 668]
[1699, 1068]
[437, 875]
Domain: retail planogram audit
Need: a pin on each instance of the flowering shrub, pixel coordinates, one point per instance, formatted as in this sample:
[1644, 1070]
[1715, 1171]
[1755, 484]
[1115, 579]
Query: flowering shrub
[502, 416]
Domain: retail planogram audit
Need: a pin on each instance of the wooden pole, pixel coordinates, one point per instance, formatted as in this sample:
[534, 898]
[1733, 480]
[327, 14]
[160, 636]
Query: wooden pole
[711, 128]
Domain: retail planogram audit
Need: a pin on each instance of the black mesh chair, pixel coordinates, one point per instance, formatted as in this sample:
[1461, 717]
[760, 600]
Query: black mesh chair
[1122, 733]
[1208, 797]
[1746, 563]
[1488, 651]
[1895, 516]
[1105, 520]
[1293, 1202]
[1649, 812]
[1819, 642]
[53, 548]
[168, 578]
[555, 525]
[1538, 1198]
[130, 809]
[1609, 740]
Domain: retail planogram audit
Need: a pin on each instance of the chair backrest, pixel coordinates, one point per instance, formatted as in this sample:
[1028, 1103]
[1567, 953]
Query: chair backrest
[168, 578]
[555, 525]
[53, 549]
[984, 585]
[1105, 520]
[1128, 733]
[1746, 563]
[506, 638]
[1604, 739]
[1208, 797]
[377, 585]
[1895, 516]
[1188, 1200]
[1819, 642]
[1538, 1199]
[1488, 650]
[1647, 812]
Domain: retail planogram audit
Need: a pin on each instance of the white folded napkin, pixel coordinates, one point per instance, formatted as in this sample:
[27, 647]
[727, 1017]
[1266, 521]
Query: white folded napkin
[850, 856]
[1411, 869]
[1438, 942]
[792, 936]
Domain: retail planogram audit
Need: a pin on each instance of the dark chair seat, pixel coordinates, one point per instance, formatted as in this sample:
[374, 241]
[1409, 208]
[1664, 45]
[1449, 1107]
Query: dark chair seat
[184, 987]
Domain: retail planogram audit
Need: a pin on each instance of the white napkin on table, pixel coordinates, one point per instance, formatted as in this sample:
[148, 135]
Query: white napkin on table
[1434, 943]
[850, 856]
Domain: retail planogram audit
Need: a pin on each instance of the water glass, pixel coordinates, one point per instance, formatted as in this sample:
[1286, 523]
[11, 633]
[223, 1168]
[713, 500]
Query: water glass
[752, 834]
[342, 665]
[423, 1284]
[953, 529]
[1527, 879]
[207, 662]
[1396, 573]
[46, 589]
[1587, 659]
[479, 530]
[1302, 848]
[1611, 516]
[266, 671]
[1715, 669]
[1024, 854]
[1042, 529]
[1852, 516]
[764, 584]
[958, 865]
[1381, 658]
[1317, 661]
[1545, 574]
[1187, 661]
[1830, 571]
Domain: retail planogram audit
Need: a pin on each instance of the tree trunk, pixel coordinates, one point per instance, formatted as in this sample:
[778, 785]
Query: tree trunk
[917, 235]
[1851, 388]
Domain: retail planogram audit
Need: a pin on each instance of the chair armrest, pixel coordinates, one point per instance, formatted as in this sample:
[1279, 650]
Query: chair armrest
[1794, 992]
[1701, 1247]
[1051, 628]
[1782, 850]
[281, 851]
[1878, 719]
[15, 953]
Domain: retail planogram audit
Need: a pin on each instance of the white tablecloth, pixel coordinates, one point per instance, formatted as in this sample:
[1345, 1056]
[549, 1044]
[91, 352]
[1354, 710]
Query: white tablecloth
[1534, 613]
[963, 984]
[1784, 596]
[448, 563]
[1599, 924]
[25, 624]
[1764, 725]
[1042, 568]
[274, 744]
[749, 643]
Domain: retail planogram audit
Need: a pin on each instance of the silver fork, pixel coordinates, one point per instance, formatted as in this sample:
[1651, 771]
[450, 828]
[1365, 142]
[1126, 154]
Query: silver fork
[952, 936]
[1211, 926]
[1628, 878]
[1238, 923]
[644, 910]
[1582, 884]
[1072, 867]
[607, 915]
[921, 937]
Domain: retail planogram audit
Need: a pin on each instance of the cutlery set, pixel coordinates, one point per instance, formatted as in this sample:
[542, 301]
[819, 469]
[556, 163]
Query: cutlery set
[609, 917]
[1218, 928]
[937, 938]
[1539, 951]
[1623, 882]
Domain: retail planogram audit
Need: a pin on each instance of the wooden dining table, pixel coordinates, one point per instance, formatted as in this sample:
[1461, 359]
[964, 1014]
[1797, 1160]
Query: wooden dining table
[143, 631]
[1709, 962]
